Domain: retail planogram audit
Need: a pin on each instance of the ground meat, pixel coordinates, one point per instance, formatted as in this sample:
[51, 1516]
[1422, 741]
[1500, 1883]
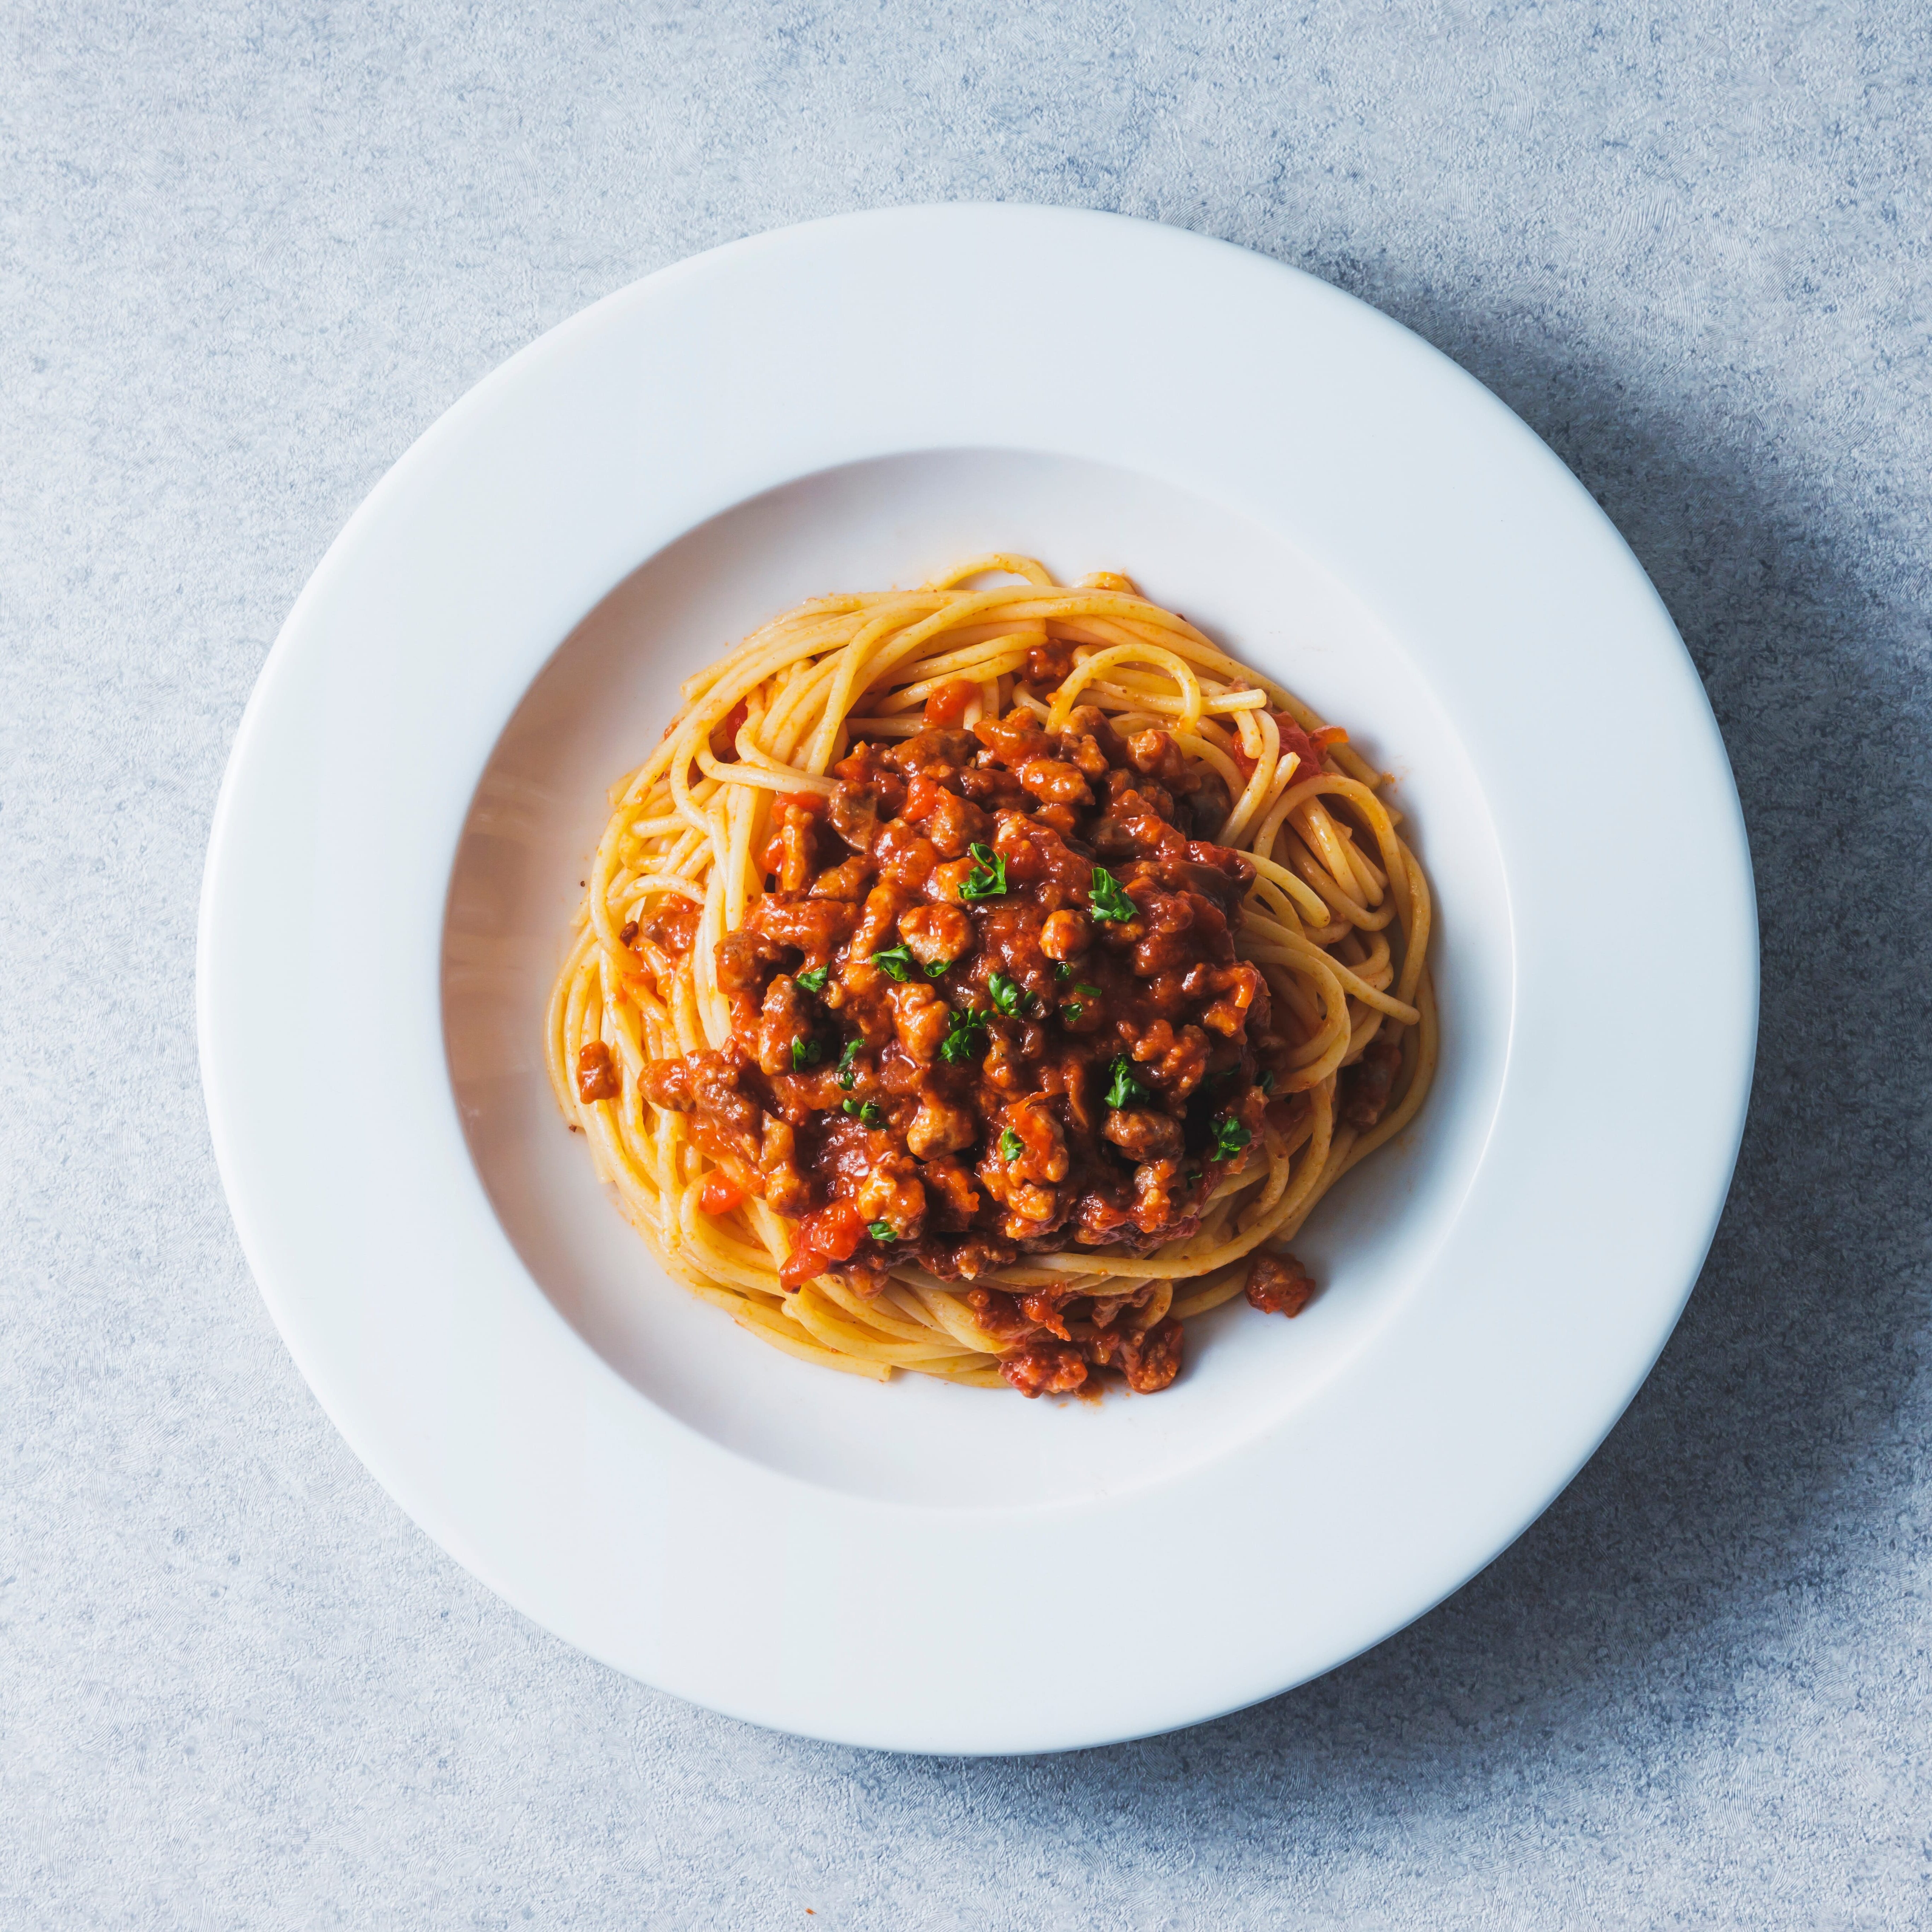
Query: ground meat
[1055, 781]
[1366, 1085]
[784, 1028]
[745, 961]
[989, 1005]
[1048, 1368]
[1150, 1359]
[1000, 1316]
[1279, 1285]
[854, 813]
[672, 928]
[1065, 935]
[936, 935]
[941, 1126]
[1142, 1134]
[965, 1260]
[596, 1077]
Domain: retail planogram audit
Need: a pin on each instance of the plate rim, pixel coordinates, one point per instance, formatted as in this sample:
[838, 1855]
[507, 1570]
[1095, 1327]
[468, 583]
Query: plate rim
[221, 956]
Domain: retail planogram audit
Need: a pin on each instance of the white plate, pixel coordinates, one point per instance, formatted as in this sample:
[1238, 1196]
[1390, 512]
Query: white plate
[498, 632]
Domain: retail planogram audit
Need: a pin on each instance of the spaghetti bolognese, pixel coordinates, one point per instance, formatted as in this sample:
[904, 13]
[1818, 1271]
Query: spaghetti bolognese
[982, 981]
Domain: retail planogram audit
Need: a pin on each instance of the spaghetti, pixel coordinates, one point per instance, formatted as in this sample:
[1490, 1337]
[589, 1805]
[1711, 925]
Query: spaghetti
[982, 981]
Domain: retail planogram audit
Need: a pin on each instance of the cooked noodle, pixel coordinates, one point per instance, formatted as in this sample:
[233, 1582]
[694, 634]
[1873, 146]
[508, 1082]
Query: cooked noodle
[1336, 919]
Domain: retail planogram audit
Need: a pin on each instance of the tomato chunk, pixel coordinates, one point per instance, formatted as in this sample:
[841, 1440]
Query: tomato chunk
[825, 1235]
[923, 796]
[721, 1192]
[1295, 740]
[724, 733]
[947, 705]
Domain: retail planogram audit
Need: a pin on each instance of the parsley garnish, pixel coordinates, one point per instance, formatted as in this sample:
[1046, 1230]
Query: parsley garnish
[964, 1036]
[1266, 1082]
[1109, 902]
[848, 1072]
[896, 960]
[805, 1053]
[1124, 1090]
[813, 981]
[868, 1114]
[1009, 1145]
[937, 969]
[988, 878]
[1007, 994]
[1230, 1137]
[882, 1230]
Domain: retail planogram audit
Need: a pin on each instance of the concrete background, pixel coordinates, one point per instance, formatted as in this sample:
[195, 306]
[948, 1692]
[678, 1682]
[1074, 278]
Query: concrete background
[250, 252]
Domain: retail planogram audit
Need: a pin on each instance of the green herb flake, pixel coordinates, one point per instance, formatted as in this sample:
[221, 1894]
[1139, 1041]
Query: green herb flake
[805, 1053]
[813, 981]
[882, 1230]
[1122, 1089]
[1009, 1145]
[1230, 1137]
[1088, 992]
[1108, 901]
[848, 1072]
[896, 960]
[964, 1036]
[937, 969]
[1007, 994]
[1073, 1009]
[871, 1114]
[1266, 1082]
[1062, 970]
[988, 878]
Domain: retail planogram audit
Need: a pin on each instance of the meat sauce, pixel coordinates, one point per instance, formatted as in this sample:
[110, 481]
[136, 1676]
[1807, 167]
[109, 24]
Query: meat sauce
[989, 1007]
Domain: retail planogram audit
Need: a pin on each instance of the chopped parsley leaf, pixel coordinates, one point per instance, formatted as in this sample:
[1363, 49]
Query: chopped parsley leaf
[882, 1230]
[1122, 1089]
[1266, 1082]
[896, 960]
[1009, 1145]
[804, 1052]
[868, 1114]
[813, 981]
[1007, 994]
[1109, 902]
[937, 969]
[848, 1072]
[965, 1036]
[1230, 1137]
[988, 878]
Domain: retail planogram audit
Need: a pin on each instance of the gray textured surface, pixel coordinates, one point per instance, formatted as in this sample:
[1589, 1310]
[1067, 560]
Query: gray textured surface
[247, 253]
